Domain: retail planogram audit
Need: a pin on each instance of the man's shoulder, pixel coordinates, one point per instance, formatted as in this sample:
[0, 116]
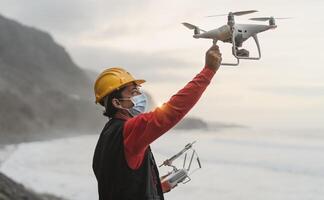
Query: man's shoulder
[112, 126]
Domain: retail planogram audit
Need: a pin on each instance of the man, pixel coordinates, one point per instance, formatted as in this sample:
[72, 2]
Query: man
[123, 162]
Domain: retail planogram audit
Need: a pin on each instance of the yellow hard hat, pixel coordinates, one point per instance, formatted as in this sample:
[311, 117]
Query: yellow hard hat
[112, 79]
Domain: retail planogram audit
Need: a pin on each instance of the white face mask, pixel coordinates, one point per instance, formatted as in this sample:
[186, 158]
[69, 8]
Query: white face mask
[140, 105]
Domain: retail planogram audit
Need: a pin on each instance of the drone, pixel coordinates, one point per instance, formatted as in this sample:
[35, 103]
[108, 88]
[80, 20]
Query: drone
[236, 34]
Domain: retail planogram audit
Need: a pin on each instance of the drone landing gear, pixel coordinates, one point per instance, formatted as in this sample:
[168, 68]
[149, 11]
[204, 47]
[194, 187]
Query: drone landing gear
[242, 53]
[228, 64]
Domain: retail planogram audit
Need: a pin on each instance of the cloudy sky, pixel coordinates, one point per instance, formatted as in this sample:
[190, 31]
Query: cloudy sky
[284, 90]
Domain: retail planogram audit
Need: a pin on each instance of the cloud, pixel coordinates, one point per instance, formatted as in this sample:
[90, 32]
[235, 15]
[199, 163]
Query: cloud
[52, 15]
[153, 67]
[67, 17]
[294, 90]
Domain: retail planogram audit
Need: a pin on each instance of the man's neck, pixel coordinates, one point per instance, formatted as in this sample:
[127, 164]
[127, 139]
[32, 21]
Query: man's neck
[122, 114]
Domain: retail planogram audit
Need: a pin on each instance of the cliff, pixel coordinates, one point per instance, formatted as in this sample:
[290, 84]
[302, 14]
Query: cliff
[41, 88]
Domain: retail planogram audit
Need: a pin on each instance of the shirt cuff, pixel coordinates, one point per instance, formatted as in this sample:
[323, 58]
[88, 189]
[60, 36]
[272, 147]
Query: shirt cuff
[208, 73]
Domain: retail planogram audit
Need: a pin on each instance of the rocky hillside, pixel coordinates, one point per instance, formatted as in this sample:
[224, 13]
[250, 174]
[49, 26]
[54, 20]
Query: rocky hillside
[10, 190]
[190, 123]
[41, 88]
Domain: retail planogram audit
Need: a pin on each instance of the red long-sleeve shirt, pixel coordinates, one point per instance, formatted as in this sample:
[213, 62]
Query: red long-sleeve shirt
[142, 130]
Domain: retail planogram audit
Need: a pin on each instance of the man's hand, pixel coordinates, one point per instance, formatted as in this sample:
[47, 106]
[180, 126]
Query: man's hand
[166, 187]
[213, 58]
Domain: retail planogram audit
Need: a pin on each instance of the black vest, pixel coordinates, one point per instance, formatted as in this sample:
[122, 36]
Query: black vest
[116, 181]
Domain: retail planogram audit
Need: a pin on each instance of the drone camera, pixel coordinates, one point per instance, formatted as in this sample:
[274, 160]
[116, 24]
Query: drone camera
[243, 53]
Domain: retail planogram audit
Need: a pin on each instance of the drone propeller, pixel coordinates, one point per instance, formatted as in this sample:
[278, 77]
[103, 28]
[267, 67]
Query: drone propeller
[244, 12]
[190, 26]
[239, 13]
[195, 28]
[267, 18]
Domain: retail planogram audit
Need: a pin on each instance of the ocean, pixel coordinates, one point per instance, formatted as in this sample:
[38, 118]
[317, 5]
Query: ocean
[236, 164]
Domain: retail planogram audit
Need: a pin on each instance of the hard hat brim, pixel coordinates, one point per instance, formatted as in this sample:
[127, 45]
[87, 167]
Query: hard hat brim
[140, 81]
[136, 81]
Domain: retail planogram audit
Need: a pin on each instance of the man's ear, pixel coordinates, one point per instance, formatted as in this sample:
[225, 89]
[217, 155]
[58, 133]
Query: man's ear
[116, 103]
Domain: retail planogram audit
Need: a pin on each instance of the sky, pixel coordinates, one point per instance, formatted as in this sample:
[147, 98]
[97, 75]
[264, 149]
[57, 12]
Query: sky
[283, 91]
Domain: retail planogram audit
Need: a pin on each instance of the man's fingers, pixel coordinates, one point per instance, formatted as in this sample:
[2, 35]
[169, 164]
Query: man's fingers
[214, 47]
[214, 52]
[213, 57]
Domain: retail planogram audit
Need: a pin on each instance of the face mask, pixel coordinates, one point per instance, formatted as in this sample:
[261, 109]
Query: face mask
[140, 105]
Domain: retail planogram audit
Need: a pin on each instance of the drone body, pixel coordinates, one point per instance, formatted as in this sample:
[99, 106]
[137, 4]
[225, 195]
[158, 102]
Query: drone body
[236, 34]
[242, 32]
